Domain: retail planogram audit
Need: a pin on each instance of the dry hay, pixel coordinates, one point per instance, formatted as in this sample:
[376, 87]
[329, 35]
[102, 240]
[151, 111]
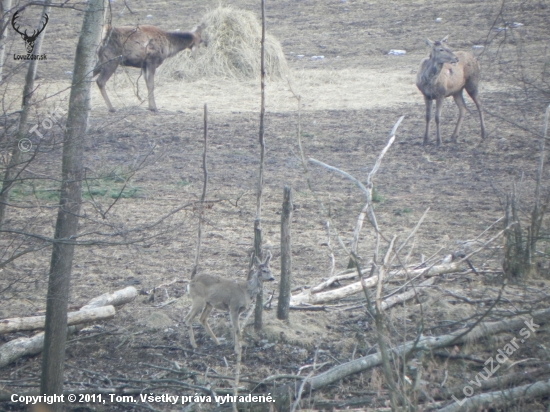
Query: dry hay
[233, 37]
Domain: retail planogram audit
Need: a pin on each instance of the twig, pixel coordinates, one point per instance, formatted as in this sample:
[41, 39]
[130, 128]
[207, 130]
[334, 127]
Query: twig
[203, 196]
[300, 390]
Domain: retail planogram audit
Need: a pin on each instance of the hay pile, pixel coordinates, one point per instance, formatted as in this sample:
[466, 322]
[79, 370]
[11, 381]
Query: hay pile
[233, 37]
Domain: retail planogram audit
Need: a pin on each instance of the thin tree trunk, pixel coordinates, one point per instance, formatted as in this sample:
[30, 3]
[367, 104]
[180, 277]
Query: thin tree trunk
[70, 202]
[258, 221]
[6, 7]
[286, 257]
[15, 164]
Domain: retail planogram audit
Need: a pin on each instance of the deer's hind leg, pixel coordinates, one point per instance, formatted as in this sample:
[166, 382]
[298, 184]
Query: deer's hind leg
[196, 307]
[459, 100]
[473, 93]
[204, 320]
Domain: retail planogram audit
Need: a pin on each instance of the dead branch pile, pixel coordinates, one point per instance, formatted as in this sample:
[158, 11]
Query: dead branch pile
[534, 390]
[233, 39]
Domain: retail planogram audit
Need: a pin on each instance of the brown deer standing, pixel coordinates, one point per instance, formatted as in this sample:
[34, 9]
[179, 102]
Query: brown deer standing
[445, 74]
[233, 296]
[144, 47]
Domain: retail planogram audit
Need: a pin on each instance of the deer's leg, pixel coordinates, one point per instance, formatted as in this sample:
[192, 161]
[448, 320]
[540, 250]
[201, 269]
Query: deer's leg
[197, 306]
[459, 100]
[428, 118]
[149, 73]
[204, 320]
[438, 106]
[234, 315]
[105, 72]
[473, 94]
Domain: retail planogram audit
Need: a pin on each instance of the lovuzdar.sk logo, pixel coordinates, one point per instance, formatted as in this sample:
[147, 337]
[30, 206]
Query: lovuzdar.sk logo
[29, 40]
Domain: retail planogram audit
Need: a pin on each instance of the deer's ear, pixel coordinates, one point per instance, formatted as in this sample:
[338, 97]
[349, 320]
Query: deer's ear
[257, 261]
[430, 43]
[268, 258]
[444, 40]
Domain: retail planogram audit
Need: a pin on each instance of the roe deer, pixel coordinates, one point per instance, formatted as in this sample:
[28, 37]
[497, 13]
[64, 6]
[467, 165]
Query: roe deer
[144, 47]
[445, 74]
[234, 296]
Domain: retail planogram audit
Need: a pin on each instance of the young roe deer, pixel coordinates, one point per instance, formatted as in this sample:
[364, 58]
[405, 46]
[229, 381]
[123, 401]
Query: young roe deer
[234, 296]
[144, 47]
[445, 74]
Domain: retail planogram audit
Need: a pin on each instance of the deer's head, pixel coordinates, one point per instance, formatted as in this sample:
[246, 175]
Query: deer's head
[440, 52]
[29, 40]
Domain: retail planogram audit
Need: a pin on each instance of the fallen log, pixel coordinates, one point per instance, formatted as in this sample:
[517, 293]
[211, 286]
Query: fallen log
[17, 348]
[425, 343]
[504, 381]
[117, 298]
[403, 297]
[13, 350]
[98, 308]
[73, 318]
[500, 398]
[353, 288]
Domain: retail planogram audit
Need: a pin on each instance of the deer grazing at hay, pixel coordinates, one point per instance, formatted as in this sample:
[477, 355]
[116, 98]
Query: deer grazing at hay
[144, 47]
[234, 296]
[445, 74]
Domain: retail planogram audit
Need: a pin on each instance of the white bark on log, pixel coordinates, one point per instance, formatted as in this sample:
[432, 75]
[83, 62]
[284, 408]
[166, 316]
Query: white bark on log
[120, 297]
[500, 398]
[403, 297]
[16, 348]
[342, 276]
[74, 318]
[426, 343]
[352, 288]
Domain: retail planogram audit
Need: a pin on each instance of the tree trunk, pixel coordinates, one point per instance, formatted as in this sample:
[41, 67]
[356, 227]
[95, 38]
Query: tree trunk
[70, 201]
[15, 165]
[286, 257]
[6, 7]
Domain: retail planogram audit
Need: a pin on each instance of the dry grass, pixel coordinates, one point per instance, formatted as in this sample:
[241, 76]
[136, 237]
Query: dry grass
[233, 37]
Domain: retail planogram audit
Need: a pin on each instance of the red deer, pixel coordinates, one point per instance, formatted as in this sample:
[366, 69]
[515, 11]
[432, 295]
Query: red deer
[445, 74]
[144, 47]
[209, 292]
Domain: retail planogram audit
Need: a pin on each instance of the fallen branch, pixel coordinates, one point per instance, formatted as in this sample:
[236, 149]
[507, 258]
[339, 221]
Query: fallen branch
[324, 297]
